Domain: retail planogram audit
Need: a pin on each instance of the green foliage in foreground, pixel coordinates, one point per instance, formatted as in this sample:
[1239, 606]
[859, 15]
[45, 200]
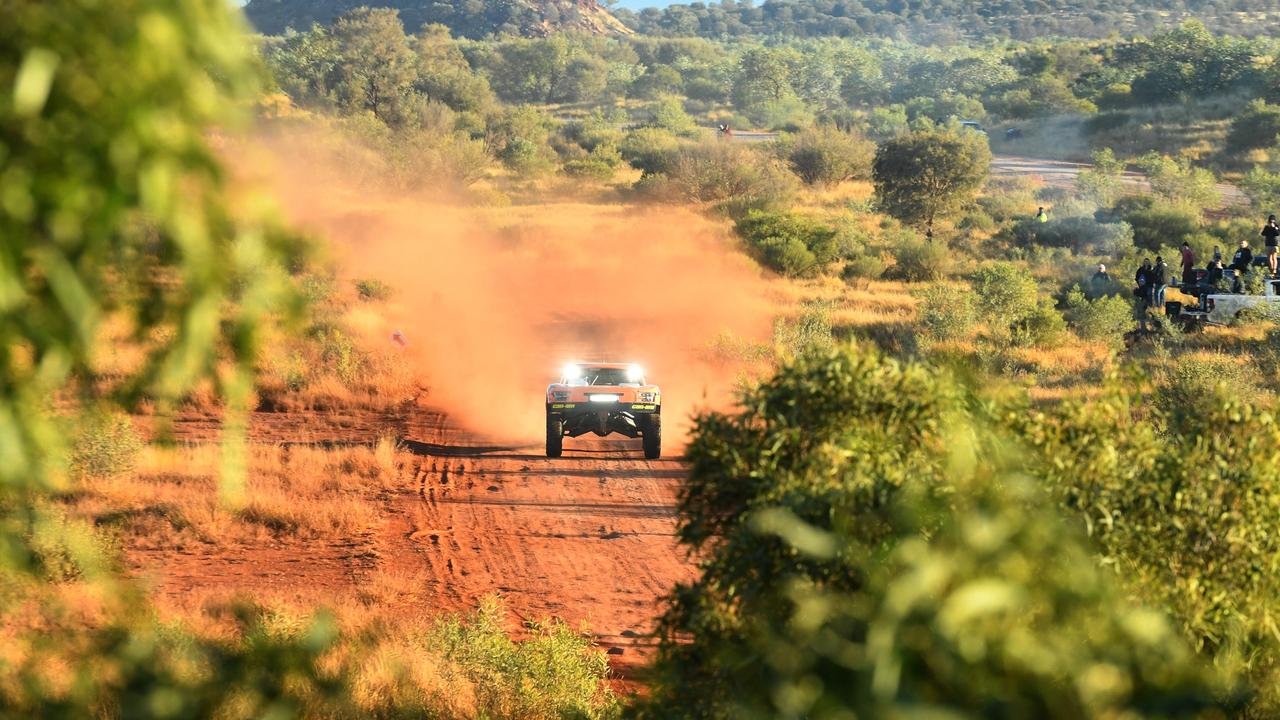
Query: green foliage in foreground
[871, 549]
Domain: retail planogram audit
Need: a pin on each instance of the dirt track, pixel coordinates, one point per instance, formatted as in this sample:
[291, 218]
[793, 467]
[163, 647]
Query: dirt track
[587, 538]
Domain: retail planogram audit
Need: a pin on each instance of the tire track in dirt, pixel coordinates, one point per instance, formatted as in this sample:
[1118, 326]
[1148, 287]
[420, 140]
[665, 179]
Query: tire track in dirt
[588, 538]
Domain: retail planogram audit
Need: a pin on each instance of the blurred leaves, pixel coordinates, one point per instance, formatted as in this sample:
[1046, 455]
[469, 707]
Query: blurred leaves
[873, 545]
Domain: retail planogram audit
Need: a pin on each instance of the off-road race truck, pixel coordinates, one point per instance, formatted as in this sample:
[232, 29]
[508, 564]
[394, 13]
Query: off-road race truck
[604, 398]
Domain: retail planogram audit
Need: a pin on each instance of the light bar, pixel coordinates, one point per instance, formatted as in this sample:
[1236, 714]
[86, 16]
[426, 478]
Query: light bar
[571, 371]
[635, 373]
[600, 398]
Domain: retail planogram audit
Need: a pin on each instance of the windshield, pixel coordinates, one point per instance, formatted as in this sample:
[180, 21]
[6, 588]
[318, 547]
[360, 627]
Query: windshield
[602, 376]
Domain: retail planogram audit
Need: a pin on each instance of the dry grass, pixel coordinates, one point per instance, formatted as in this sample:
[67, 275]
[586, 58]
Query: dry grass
[173, 498]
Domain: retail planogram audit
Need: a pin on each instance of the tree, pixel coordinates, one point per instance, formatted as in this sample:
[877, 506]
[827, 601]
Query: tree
[926, 174]
[764, 76]
[443, 73]
[376, 68]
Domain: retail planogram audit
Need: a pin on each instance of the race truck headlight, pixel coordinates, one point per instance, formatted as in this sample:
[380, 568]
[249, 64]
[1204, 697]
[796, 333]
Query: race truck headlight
[635, 373]
[560, 396]
[602, 398]
[571, 372]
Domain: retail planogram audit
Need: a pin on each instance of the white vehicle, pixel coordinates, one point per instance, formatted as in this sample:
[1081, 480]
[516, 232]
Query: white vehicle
[1224, 308]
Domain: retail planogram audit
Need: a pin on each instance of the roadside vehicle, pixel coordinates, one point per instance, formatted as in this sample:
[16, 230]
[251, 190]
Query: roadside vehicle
[1219, 308]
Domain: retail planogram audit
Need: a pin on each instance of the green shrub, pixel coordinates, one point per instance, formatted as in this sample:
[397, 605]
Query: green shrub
[1256, 127]
[808, 332]
[788, 243]
[1103, 319]
[555, 673]
[863, 266]
[372, 290]
[105, 444]
[872, 548]
[1193, 386]
[649, 150]
[340, 356]
[826, 155]
[1163, 225]
[947, 313]
[1005, 293]
[1043, 326]
[718, 171]
[1177, 489]
[1083, 234]
[918, 260]
[600, 163]
[668, 114]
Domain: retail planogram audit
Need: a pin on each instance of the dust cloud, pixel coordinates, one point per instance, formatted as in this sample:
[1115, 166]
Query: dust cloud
[493, 301]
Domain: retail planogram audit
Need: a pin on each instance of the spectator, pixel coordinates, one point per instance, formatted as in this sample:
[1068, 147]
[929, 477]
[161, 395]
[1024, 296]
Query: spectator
[1270, 231]
[1100, 283]
[1042, 215]
[1243, 258]
[1159, 279]
[1143, 280]
[1213, 271]
[1188, 265]
[1102, 276]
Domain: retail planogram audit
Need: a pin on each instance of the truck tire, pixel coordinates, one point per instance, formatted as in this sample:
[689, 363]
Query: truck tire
[555, 437]
[651, 437]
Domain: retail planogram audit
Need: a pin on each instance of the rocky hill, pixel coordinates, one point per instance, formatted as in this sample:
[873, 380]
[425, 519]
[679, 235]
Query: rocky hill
[467, 18]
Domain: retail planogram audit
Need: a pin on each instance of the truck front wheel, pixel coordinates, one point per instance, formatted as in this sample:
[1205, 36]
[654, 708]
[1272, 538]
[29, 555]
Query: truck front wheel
[651, 437]
[555, 437]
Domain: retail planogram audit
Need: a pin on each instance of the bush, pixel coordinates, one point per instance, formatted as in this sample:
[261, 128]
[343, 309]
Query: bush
[1042, 327]
[668, 114]
[862, 266]
[1006, 294]
[947, 313]
[1193, 386]
[808, 332]
[1256, 127]
[649, 150]
[869, 543]
[826, 155]
[1162, 225]
[105, 444]
[555, 673]
[1083, 234]
[918, 260]
[790, 244]
[719, 171]
[1103, 319]
[600, 163]
[372, 290]
[1177, 487]
[340, 356]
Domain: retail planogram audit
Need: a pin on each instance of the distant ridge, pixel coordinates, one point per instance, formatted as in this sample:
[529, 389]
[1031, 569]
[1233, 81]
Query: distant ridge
[467, 18]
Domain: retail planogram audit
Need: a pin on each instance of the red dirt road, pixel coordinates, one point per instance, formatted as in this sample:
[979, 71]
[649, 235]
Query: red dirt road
[587, 538]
